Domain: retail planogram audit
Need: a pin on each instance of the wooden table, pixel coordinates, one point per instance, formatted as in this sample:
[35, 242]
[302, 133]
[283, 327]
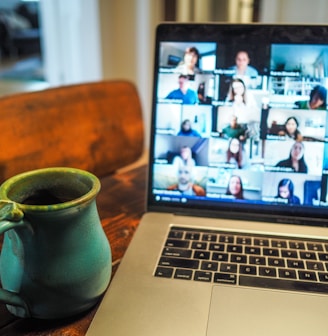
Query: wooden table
[121, 203]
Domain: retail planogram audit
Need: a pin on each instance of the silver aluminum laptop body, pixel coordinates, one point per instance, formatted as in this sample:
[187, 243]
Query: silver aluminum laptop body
[276, 196]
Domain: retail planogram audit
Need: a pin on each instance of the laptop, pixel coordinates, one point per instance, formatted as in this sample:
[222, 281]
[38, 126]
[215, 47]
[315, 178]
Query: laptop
[234, 240]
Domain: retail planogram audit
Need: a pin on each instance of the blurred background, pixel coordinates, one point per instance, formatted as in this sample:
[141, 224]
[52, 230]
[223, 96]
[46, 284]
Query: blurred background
[49, 43]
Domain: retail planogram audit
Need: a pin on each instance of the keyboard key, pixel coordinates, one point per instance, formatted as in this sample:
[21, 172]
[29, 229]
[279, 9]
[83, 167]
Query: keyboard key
[235, 248]
[296, 245]
[252, 250]
[218, 247]
[177, 243]
[315, 246]
[267, 271]
[203, 276]
[284, 284]
[323, 256]
[287, 273]
[289, 254]
[277, 262]
[226, 239]
[209, 266]
[202, 255]
[209, 237]
[183, 274]
[257, 260]
[225, 278]
[271, 252]
[244, 240]
[199, 245]
[220, 256]
[279, 243]
[238, 258]
[314, 266]
[323, 277]
[261, 242]
[192, 236]
[176, 234]
[307, 275]
[164, 272]
[308, 255]
[246, 269]
[295, 264]
[228, 268]
[175, 252]
[179, 262]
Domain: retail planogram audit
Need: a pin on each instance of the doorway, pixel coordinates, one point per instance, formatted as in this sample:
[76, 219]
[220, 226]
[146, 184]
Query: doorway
[21, 64]
[20, 41]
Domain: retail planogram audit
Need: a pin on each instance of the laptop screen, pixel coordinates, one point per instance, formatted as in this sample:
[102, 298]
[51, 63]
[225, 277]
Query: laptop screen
[239, 126]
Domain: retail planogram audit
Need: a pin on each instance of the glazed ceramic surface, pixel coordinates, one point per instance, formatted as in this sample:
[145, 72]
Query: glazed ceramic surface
[55, 260]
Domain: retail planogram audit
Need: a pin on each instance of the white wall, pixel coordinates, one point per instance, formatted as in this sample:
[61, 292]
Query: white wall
[294, 11]
[71, 41]
[127, 39]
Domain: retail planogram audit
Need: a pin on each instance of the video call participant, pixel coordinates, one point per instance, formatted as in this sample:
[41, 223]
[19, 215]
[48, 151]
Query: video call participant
[189, 64]
[243, 103]
[318, 99]
[235, 153]
[235, 187]
[234, 130]
[187, 130]
[237, 92]
[185, 183]
[243, 70]
[202, 97]
[286, 192]
[185, 158]
[291, 129]
[295, 161]
[184, 93]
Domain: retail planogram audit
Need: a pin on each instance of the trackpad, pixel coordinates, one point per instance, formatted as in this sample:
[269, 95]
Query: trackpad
[257, 312]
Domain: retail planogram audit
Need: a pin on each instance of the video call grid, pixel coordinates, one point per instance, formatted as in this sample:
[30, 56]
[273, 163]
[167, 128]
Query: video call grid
[275, 93]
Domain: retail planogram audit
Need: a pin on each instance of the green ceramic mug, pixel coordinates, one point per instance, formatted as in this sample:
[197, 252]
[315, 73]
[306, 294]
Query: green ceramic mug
[55, 260]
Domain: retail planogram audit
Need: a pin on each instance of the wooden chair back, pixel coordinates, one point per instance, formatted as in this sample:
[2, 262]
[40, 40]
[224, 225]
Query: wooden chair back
[95, 126]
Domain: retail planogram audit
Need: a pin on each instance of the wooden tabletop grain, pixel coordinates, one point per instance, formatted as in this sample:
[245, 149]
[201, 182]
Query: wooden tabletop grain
[121, 203]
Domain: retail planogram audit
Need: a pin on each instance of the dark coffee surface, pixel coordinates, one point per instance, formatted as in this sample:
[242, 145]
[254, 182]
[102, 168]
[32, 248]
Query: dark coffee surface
[46, 197]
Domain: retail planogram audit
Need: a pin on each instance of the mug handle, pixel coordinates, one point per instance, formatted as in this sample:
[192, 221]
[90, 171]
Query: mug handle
[11, 217]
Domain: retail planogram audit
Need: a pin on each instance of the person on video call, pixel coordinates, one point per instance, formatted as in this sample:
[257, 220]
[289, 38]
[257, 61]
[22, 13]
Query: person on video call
[202, 97]
[184, 93]
[286, 192]
[317, 101]
[234, 130]
[243, 70]
[185, 158]
[235, 187]
[243, 103]
[235, 153]
[185, 184]
[189, 64]
[291, 129]
[295, 161]
[187, 130]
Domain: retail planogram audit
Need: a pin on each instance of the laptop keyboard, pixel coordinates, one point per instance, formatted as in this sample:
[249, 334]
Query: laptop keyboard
[246, 260]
